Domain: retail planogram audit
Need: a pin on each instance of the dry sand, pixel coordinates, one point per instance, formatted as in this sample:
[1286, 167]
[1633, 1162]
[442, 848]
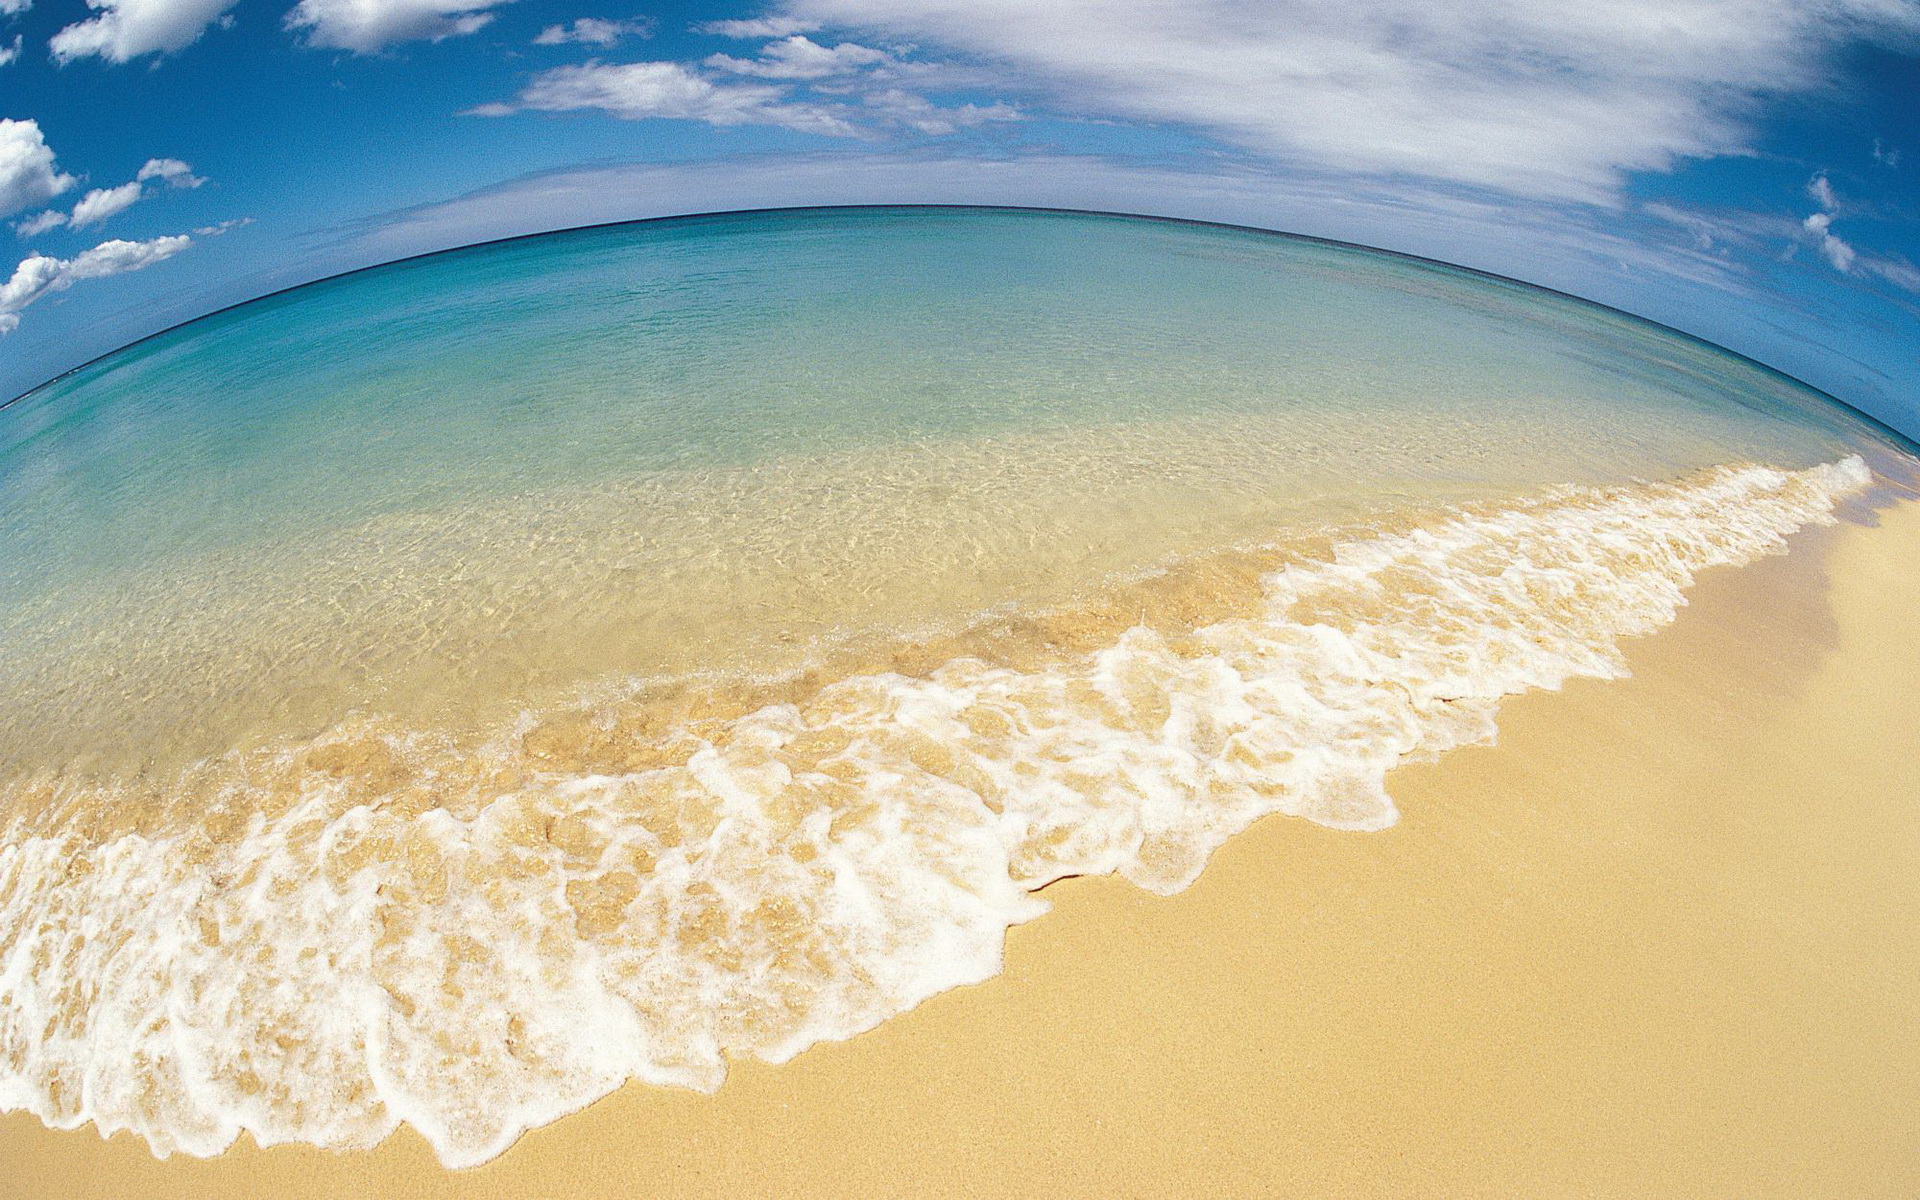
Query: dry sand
[1662, 939]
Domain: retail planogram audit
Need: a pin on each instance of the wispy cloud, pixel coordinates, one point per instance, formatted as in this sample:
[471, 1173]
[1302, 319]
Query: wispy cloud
[800, 57]
[764, 27]
[1534, 97]
[40, 222]
[668, 90]
[593, 31]
[922, 115]
[841, 90]
[1560, 246]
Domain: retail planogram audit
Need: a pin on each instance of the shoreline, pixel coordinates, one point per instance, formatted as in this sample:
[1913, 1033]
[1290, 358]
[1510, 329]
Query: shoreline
[1594, 957]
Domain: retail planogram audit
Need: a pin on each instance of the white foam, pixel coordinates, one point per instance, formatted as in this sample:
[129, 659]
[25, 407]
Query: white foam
[810, 869]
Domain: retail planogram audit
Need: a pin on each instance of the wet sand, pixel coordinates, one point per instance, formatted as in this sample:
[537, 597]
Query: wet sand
[1659, 940]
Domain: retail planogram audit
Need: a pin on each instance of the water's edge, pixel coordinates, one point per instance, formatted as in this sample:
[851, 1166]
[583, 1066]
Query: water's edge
[478, 941]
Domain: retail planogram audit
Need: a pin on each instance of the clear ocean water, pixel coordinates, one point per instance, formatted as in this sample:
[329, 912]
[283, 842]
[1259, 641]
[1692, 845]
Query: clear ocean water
[447, 691]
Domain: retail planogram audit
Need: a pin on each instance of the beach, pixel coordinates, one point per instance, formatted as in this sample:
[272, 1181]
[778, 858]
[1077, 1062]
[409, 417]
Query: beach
[1657, 940]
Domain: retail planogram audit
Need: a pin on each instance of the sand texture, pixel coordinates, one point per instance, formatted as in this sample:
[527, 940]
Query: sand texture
[1659, 940]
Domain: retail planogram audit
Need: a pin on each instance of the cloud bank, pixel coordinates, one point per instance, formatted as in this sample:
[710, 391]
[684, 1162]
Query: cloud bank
[1540, 98]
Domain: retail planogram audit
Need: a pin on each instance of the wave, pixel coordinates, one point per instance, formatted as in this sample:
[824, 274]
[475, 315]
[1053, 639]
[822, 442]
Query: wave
[381, 925]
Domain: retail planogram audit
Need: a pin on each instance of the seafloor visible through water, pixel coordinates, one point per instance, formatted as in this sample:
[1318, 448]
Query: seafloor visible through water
[445, 692]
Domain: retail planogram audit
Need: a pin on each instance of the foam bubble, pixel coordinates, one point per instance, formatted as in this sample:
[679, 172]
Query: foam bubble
[383, 925]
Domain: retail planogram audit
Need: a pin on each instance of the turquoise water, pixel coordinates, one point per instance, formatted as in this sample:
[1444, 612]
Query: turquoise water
[459, 466]
[592, 356]
[443, 693]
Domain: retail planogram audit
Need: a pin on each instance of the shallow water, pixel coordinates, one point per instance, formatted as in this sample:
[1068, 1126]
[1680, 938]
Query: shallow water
[445, 692]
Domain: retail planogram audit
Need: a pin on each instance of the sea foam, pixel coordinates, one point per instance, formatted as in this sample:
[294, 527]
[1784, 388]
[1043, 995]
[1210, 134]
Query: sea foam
[378, 925]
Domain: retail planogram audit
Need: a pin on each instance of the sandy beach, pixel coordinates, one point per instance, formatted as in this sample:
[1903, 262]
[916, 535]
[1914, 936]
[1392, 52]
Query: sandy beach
[1657, 941]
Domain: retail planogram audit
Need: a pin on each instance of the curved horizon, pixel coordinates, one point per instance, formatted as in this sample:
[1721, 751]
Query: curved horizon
[1908, 439]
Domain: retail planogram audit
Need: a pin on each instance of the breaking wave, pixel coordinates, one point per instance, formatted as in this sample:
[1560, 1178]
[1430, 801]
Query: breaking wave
[318, 941]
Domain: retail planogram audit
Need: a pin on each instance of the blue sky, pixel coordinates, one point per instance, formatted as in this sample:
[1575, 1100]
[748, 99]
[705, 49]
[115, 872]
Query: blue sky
[1742, 169]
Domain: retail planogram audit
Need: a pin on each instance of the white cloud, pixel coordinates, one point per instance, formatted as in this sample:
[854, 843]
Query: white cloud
[1536, 97]
[1822, 192]
[175, 172]
[10, 53]
[101, 203]
[367, 26]
[1837, 252]
[766, 27]
[1841, 254]
[1846, 258]
[28, 174]
[40, 223]
[127, 29]
[13, 8]
[799, 57]
[1886, 156]
[215, 230]
[1897, 271]
[39, 275]
[593, 31]
[636, 91]
[923, 115]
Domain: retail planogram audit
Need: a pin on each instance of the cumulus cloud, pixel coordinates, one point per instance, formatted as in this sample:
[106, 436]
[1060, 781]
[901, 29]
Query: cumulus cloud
[13, 8]
[10, 53]
[765, 27]
[172, 170]
[1535, 97]
[128, 29]
[39, 275]
[800, 57]
[101, 203]
[593, 31]
[28, 174]
[368, 26]
[636, 91]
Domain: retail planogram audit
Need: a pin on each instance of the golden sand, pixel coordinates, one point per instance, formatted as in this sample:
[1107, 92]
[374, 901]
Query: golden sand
[1659, 940]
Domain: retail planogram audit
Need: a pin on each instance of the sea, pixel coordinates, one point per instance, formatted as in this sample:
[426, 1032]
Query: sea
[446, 692]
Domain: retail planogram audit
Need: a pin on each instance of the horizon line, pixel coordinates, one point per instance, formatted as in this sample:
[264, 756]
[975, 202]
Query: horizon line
[1911, 443]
